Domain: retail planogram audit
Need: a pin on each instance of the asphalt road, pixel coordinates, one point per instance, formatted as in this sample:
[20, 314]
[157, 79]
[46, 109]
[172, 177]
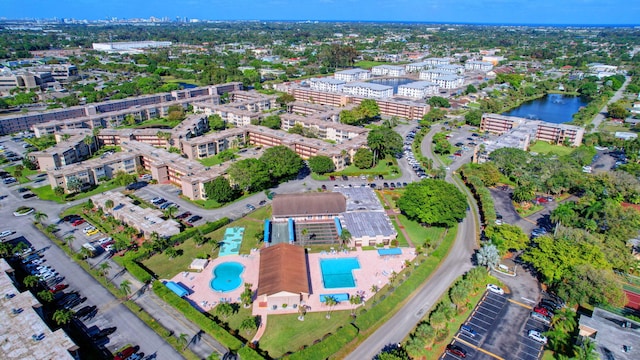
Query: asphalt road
[457, 263]
[603, 112]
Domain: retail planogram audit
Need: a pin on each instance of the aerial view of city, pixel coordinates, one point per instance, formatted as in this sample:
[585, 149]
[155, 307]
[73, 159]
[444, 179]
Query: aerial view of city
[321, 179]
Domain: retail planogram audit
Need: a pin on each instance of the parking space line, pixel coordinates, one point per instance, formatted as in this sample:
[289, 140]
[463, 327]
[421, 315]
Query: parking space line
[521, 304]
[479, 348]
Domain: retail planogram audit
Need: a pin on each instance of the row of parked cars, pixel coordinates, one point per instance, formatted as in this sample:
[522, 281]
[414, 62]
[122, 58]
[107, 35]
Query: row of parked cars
[408, 154]
[186, 216]
[33, 263]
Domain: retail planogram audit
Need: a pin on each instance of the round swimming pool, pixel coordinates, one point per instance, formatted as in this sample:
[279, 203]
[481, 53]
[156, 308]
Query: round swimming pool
[226, 276]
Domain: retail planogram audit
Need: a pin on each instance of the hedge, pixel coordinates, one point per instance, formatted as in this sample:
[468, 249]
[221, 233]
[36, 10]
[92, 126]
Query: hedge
[201, 320]
[481, 194]
[204, 229]
[136, 270]
[329, 346]
[247, 353]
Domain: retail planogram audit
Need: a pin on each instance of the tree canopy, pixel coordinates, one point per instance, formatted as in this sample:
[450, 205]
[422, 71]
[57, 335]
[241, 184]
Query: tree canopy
[250, 175]
[282, 162]
[321, 164]
[220, 190]
[384, 141]
[363, 159]
[434, 202]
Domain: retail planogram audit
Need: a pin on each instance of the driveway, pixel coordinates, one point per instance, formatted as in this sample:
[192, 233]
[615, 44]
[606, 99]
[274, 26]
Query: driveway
[603, 112]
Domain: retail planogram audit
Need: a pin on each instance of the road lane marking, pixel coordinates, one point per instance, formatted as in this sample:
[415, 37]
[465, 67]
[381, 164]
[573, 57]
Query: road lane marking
[521, 304]
[479, 348]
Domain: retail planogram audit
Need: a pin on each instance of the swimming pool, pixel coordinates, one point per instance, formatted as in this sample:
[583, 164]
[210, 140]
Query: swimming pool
[391, 251]
[231, 241]
[226, 276]
[338, 273]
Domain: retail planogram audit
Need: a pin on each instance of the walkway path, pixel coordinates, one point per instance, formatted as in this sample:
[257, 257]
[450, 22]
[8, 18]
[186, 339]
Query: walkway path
[458, 262]
[603, 112]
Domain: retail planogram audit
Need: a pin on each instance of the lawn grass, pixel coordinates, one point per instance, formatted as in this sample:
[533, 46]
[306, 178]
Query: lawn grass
[527, 212]
[236, 319]
[421, 235]
[46, 192]
[444, 159]
[285, 333]
[210, 161]
[382, 168]
[165, 267]
[25, 173]
[368, 64]
[173, 79]
[542, 147]
[402, 240]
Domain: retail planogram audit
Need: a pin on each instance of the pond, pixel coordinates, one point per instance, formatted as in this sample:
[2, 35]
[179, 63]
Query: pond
[395, 82]
[187, 86]
[553, 108]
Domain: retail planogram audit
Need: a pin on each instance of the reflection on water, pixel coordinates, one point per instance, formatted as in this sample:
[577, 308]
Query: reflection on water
[554, 108]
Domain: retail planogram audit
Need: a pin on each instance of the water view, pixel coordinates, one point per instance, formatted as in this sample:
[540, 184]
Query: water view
[553, 108]
[395, 82]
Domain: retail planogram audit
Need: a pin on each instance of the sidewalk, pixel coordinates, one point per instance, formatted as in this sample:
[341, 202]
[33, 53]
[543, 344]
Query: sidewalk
[171, 319]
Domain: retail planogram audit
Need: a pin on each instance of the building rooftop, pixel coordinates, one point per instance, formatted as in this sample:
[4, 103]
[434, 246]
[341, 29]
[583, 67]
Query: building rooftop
[368, 224]
[418, 85]
[283, 267]
[449, 77]
[328, 80]
[360, 198]
[24, 335]
[612, 334]
[308, 204]
[376, 87]
[352, 71]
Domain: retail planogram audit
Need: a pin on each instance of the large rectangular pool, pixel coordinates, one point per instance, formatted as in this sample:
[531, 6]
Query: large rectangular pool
[338, 273]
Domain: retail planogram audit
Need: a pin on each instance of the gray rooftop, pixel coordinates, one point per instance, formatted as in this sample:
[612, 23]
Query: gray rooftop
[360, 199]
[371, 86]
[418, 85]
[351, 71]
[368, 224]
[328, 80]
[610, 336]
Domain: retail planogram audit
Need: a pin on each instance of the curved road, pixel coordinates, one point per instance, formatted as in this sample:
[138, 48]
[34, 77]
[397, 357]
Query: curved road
[457, 263]
[603, 112]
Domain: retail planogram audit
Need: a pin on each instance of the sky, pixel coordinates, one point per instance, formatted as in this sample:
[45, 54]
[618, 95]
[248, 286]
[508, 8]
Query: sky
[558, 12]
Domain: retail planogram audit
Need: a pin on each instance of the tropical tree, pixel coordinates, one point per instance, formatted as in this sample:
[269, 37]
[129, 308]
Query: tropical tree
[415, 347]
[459, 294]
[171, 252]
[374, 290]
[62, 316]
[183, 339]
[39, 216]
[427, 333]
[438, 319]
[321, 164]
[109, 204]
[249, 324]
[384, 141]
[125, 287]
[345, 238]
[51, 228]
[58, 190]
[89, 140]
[363, 158]
[354, 300]
[330, 301]
[433, 202]
[5, 249]
[488, 256]
[224, 309]
[586, 350]
[282, 162]
[31, 281]
[170, 211]
[104, 268]
[247, 295]
[45, 295]
[199, 239]
[220, 190]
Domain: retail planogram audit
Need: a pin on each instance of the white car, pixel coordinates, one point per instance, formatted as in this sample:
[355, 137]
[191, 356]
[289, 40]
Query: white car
[6, 233]
[88, 228]
[104, 240]
[495, 289]
[537, 336]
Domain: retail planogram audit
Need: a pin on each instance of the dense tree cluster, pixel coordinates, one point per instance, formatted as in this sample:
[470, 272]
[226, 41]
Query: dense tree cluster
[433, 202]
[367, 111]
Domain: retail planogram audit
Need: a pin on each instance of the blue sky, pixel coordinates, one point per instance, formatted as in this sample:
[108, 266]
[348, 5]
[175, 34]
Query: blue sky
[588, 12]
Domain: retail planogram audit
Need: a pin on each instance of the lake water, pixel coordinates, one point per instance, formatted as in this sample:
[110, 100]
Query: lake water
[553, 108]
[186, 86]
[395, 82]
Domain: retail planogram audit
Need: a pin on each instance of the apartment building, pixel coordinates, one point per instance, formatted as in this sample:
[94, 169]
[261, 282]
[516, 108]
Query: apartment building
[432, 74]
[418, 89]
[146, 220]
[449, 81]
[326, 84]
[333, 131]
[243, 109]
[451, 68]
[474, 65]
[211, 144]
[323, 112]
[400, 107]
[416, 67]
[352, 75]
[558, 134]
[435, 62]
[70, 149]
[319, 97]
[25, 334]
[55, 126]
[368, 90]
[388, 70]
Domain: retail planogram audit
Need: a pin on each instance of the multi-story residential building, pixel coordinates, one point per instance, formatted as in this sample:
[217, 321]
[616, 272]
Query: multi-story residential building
[558, 134]
[474, 65]
[434, 62]
[352, 75]
[319, 97]
[326, 84]
[388, 70]
[368, 90]
[417, 66]
[449, 81]
[70, 148]
[322, 112]
[432, 74]
[211, 144]
[418, 89]
[25, 334]
[129, 46]
[244, 108]
[333, 131]
[404, 108]
[451, 68]
[23, 80]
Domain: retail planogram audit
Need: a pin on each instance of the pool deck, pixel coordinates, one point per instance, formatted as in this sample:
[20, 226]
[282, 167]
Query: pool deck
[198, 283]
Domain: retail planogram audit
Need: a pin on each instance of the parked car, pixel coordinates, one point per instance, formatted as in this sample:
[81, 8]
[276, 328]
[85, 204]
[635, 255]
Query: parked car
[456, 351]
[184, 215]
[537, 336]
[88, 228]
[125, 353]
[28, 196]
[6, 233]
[495, 289]
[468, 330]
[539, 317]
[251, 207]
[194, 218]
[93, 232]
[78, 222]
[57, 288]
[136, 185]
[543, 311]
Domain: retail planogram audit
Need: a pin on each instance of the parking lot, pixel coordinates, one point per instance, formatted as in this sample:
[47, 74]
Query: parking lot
[500, 327]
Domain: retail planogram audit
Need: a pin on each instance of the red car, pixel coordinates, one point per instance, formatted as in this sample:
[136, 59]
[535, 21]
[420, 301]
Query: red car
[125, 353]
[456, 351]
[107, 243]
[542, 311]
[58, 287]
[184, 215]
[78, 222]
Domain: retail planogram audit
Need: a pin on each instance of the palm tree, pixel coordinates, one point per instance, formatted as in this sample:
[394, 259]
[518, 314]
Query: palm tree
[345, 237]
[104, 268]
[62, 316]
[586, 351]
[183, 340]
[374, 289]
[69, 239]
[51, 228]
[247, 295]
[330, 301]
[89, 140]
[39, 216]
[224, 309]
[5, 249]
[125, 287]
[109, 204]
[45, 295]
[31, 281]
[354, 300]
[249, 324]
[170, 211]
[304, 234]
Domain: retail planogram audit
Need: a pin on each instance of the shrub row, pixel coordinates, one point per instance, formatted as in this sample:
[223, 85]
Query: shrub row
[134, 268]
[481, 194]
[327, 347]
[204, 229]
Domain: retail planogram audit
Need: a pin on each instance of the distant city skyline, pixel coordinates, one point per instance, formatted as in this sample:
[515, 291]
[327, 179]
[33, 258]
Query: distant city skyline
[542, 12]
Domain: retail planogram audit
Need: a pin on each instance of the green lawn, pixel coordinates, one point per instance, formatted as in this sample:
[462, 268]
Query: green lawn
[210, 161]
[367, 64]
[542, 147]
[46, 192]
[402, 240]
[173, 79]
[382, 168]
[253, 224]
[235, 320]
[285, 333]
[421, 235]
[25, 173]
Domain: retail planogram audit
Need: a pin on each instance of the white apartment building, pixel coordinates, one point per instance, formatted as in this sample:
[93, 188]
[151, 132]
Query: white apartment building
[449, 81]
[431, 75]
[452, 69]
[388, 70]
[129, 45]
[368, 90]
[433, 62]
[352, 75]
[418, 89]
[326, 84]
[417, 66]
[478, 65]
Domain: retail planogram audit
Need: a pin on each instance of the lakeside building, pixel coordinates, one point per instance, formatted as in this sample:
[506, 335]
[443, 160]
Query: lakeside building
[474, 65]
[449, 81]
[352, 75]
[326, 84]
[368, 90]
[451, 69]
[418, 89]
[25, 334]
[388, 70]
